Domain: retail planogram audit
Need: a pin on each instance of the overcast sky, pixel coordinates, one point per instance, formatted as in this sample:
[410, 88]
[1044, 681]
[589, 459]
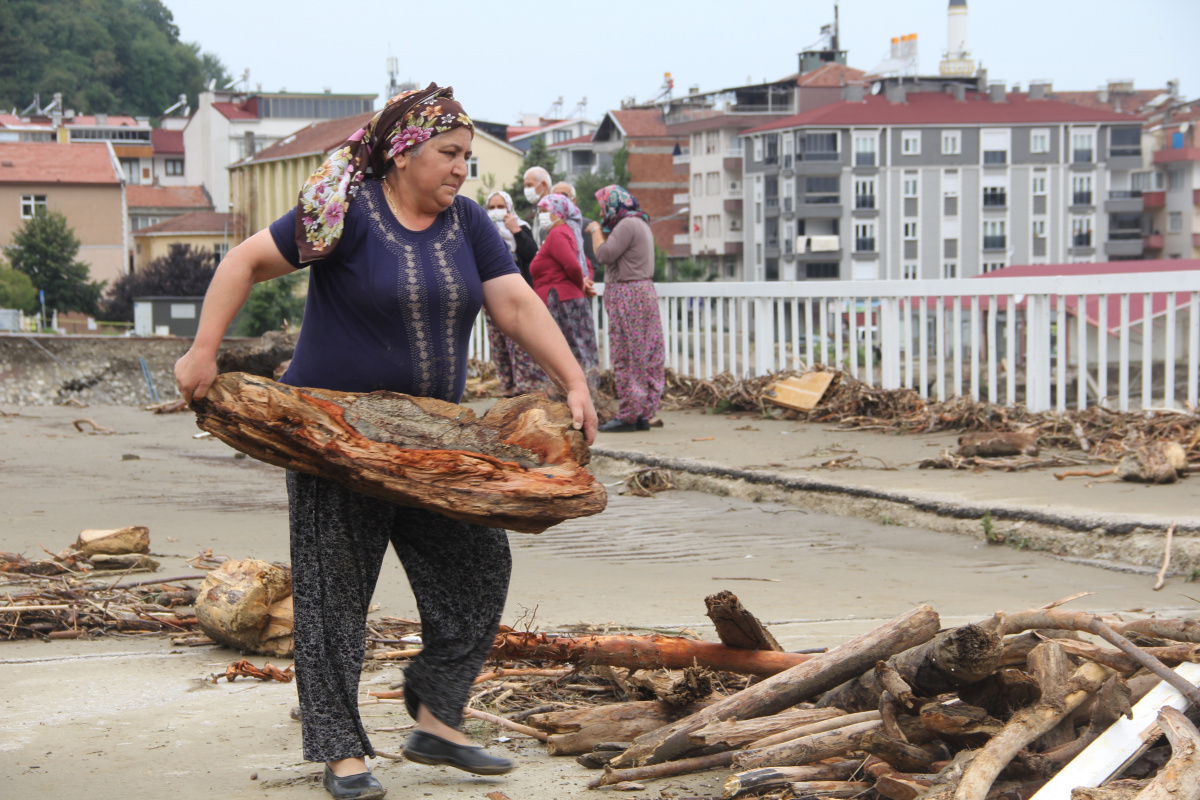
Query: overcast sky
[505, 59]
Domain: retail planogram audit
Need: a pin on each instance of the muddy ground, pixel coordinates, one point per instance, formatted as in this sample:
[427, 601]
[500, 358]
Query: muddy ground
[134, 717]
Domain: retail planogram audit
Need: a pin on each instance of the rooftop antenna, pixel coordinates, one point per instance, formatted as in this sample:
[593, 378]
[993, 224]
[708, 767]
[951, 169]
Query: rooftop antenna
[393, 67]
[833, 36]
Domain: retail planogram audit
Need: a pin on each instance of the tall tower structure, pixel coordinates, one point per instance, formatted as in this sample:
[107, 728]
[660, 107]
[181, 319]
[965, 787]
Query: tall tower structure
[957, 62]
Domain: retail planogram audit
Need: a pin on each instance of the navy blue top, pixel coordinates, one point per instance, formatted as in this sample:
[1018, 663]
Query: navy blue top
[393, 308]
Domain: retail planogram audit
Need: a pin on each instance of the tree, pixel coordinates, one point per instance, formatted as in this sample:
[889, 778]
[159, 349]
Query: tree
[44, 248]
[183, 272]
[17, 291]
[587, 184]
[538, 156]
[273, 304]
[487, 185]
[115, 56]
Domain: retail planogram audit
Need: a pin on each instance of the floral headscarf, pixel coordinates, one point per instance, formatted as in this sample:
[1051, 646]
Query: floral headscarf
[505, 233]
[561, 205]
[615, 205]
[406, 120]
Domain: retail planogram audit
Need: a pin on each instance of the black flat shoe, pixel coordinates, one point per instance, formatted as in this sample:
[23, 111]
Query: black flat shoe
[616, 426]
[425, 748]
[363, 786]
[643, 424]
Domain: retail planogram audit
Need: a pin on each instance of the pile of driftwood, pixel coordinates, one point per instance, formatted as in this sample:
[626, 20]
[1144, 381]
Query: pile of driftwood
[1016, 706]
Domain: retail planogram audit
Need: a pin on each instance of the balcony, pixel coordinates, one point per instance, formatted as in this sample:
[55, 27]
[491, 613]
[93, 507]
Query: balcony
[995, 200]
[1081, 198]
[735, 236]
[787, 166]
[819, 207]
[864, 244]
[681, 198]
[735, 194]
[772, 206]
[1081, 155]
[1154, 199]
[1081, 239]
[864, 159]
[1124, 202]
[995, 158]
[1154, 241]
[995, 242]
[1124, 244]
[771, 246]
[733, 159]
[682, 239]
[1178, 154]
[734, 204]
[681, 164]
[864, 202]
[818, 155]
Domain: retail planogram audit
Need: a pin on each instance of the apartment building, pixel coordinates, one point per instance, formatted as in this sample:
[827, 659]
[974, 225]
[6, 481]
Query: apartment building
[229, 126]
[710, 123]
[922, 180]
[1171, 193]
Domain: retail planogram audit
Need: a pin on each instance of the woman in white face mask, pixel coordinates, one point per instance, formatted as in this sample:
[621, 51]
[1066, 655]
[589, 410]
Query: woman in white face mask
[517, 371]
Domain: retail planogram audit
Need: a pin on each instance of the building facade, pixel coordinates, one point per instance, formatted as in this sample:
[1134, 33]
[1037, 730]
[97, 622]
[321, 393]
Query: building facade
[201, 230]
[149, 206]
[948, 182]
[1172, 190]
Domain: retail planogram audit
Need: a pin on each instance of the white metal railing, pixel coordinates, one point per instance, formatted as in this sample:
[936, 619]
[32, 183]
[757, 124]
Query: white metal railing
[682, 158]
[682, 238]
[681, 198]
[1004, 340]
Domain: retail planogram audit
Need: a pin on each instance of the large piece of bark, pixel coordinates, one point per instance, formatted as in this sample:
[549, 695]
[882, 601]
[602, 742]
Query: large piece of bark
[520, 466]
[579, 730]
[795, 685]
[954, 658]
[641, 652]
[737, 627]
[247, 605]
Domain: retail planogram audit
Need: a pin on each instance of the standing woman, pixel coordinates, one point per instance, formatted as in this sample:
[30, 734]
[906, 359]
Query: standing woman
[516, 370]
[562, 277]
[400, 265]
[635, 328]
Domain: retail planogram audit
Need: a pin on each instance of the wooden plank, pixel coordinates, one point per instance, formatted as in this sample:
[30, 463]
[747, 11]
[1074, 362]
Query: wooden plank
[801, 393]
[1123, 742]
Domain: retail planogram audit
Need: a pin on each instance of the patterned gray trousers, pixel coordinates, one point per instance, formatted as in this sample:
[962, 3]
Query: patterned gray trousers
[458, 573]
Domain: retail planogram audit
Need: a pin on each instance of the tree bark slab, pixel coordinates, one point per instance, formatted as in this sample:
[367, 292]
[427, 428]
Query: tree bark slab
[520, 466]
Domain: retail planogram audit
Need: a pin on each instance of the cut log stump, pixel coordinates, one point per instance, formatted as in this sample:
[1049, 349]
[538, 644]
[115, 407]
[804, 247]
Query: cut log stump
[247, 605]
[113, 542]
[520, 466]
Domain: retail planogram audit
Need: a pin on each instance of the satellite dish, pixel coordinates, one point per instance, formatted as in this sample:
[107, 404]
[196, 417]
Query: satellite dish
[876, 87]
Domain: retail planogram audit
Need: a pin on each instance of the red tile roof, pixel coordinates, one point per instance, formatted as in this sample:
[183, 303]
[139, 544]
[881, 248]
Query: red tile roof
[319, 137]
[1119, 102]
[167, 197]
[114, 121]
[50, 162]
[830, 75]
[640, 122]
[167, 142]
[194, 222]
[935, 108]
[247, 109]
[585, 139]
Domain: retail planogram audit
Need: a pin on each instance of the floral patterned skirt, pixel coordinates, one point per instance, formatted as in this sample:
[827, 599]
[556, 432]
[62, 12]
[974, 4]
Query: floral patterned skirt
[516, 369]
[574, 318]
[635, 341]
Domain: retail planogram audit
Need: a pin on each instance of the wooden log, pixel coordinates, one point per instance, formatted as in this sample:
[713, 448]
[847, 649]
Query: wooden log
[1180, 778]
[828, 788]
[900, 754]
[1050, 667]
[520, 466]
[951, 659]
[641, 652]
[1025, 727]
[774, 777]
[114, 541]
[1125, 664]
[897, 786]
[740, 733]
[792, 686]
[806, 749]
[669, 769]
[580, 730]
[1002, 693]
[247, 605]
[811, 728]
[134, 561]
[967, 724]
[1017, 648]
[997, 443]
[1117, 790]
[1112, 703]
[892, 682]
[737, 627]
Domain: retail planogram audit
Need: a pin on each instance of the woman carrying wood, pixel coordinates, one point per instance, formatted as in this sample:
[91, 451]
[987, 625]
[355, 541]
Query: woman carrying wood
[400, 266]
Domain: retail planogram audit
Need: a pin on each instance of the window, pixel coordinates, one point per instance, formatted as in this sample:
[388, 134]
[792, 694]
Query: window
[132, 170]
[1081, 190]
[950, 193]
[994, 197]
[910, 143]
[864, 193]
[1175, 222]
[910, 187]
[1141, 182]
[758, 253]
[1039, 184]
[1082, 144]
[697, 227]
[714, 225]
[992, 266]
[994, 237]
[1081, 232]
[951, 143]
[864, 150]
[1174, 180]
[1125, 142]
[772, 145]
[561, 135]
[220, 250]
[33, 205]
[818, 271]
[697, 185]
[949, 270]
[712, 142]
[1039, 229]
[758, 148]
[174, 166]
[758, 212]
[713, 181]
[473, 169]
[910, 272]
[864, 237]
[1039, 140]
[821, 190]
[910, 230]
[994, 143]
[818, 147]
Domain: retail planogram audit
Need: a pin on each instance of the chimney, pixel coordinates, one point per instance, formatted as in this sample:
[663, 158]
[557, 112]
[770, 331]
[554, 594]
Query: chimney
[959, 91]
[1102, 95]
[853, 92]
[996, 93]
[101, 119]
[981, 79]
[896, 93]
[1037, 90]
[249, 139]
